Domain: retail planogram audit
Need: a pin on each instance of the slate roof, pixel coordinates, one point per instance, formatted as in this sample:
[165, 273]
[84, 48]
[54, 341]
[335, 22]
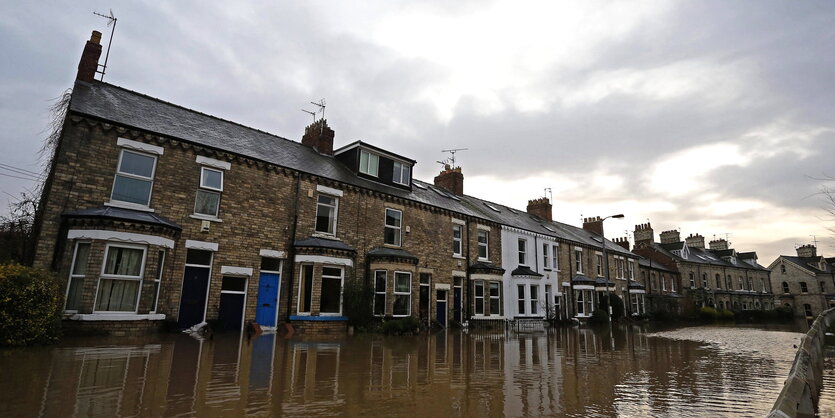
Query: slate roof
[315, 242]
[600, 281]
[580, 279]
[645, 262]
[108, 212]
[524, 271]
[703, 256]
[391, 252]
[636, 285]
[811, 263]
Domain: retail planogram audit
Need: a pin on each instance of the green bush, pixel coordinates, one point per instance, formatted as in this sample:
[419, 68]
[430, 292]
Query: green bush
[358, 302]
[599, 317]
[408, 325]
[30, 306]
[708, 314]
[725, 314]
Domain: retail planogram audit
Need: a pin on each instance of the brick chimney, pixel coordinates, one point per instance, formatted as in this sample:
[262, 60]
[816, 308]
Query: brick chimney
[695, 241]
[541, 208]
[807, 250]
[643, 234]
[623, 242]
[319, 136]
[670, 237]
[90, 58]
[718, 244]
[451, 180]
[593, 224]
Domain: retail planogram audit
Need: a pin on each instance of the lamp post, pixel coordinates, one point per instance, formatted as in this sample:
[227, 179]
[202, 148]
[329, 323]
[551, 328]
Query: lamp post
[606, 262]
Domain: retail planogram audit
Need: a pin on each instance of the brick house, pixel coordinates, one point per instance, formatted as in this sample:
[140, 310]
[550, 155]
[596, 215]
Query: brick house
[717, 276]
[155, 212]
[805, 283]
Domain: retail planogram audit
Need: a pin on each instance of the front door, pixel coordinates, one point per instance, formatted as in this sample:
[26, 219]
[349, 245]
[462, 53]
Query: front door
[441, 306]
[456, 304]
[230, 315]
[193, 298]
[267, 307]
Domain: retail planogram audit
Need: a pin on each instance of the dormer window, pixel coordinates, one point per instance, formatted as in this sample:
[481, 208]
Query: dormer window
[401, 174]
[369, 163]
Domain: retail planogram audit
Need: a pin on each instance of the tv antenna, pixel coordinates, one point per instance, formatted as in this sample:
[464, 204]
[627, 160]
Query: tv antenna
[112, 23]
[451, 159]
[321, 105]
[815, 240]
[548, 193]
[311, 113]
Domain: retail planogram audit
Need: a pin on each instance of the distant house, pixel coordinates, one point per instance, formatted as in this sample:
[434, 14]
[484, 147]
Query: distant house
[805, 283]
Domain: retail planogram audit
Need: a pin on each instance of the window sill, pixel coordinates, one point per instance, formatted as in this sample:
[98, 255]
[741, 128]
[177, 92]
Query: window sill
[458, 256]
[116, 317]
[392, 246]
[484, 259]
[205, 217]
[126, 205]
[317, 318]
[325, 236]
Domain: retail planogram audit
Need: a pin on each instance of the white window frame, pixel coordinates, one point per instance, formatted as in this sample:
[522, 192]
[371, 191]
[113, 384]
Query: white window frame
[333, 223]
[118, 173]
[497, 297]
[545, 255]
[300, 295]
[158, 279]
[369, 157]
[522, 251]
[406, 293]
[478, 300]
[521, 300]
[578, 260]
[377, 292]
[485, 244]
[401, 174]
[211, 190]
[599, 258]
[459, 241]
[75, 276]
[533, 295]
[398, 229]
[322, 278]
[138, 278]
[555, 261]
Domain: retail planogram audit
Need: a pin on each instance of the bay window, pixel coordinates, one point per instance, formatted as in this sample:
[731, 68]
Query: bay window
[402, 293]
[478, 286]
[330, 299]
[495, 298]
[77, 274]
[118, 289]
[380, 278]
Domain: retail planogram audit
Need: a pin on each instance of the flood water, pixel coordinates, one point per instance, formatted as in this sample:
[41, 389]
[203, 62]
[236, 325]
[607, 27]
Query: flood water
[628, 371]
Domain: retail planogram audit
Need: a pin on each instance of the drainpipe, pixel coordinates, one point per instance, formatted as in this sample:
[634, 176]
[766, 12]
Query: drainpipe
[291, 250]
[467, 286]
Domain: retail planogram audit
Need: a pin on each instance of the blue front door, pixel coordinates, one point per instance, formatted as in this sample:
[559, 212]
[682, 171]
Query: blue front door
[265, 312]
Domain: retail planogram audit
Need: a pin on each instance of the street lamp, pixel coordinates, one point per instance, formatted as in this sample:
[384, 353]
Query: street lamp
[606, 262]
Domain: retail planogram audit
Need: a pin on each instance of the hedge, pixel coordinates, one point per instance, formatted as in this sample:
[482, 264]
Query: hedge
[30, 306]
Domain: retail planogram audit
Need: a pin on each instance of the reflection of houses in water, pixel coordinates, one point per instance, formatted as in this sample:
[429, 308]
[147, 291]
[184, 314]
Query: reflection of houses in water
[533, 372]
[312, 377]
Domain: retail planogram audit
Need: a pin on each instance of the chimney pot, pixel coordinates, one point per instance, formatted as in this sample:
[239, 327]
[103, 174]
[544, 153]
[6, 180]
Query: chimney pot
[89, 62]
[319, 136]
[451, 180]
[541, 207]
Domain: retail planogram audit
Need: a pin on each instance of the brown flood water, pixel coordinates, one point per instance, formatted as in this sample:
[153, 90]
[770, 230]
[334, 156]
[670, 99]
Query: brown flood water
[630, 371]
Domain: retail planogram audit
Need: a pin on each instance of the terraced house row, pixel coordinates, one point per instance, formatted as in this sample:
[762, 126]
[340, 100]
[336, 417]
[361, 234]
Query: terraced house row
[154, 212]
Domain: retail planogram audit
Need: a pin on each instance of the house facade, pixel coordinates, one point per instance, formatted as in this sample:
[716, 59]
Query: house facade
[805, 282]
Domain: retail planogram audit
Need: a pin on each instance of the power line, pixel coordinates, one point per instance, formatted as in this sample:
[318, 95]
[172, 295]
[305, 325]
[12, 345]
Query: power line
[20, 173]
[17, 177]
[20, 169]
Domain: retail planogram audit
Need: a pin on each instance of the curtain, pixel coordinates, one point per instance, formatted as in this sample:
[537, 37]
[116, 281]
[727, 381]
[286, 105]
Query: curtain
[117, 295]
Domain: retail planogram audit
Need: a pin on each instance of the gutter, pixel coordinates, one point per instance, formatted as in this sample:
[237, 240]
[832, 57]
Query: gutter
[291, 250]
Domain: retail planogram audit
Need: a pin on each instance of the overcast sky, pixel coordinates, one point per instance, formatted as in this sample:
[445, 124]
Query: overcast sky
[709, 117]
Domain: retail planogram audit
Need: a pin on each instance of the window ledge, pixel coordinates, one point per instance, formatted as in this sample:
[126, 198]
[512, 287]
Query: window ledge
[392, 246]
[125, 205]
[318, 318]
[460, 257]
[205, 217]
[484, 259]
[116, 317]
[488, 317]
[325, 236]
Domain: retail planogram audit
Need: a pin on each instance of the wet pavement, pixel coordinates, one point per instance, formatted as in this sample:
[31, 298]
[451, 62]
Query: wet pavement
[625, 371]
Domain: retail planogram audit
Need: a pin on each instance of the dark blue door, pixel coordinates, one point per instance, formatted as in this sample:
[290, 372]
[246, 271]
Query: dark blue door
[267, 299]
[230, 316]
[193, 298]
[441, 307]
[456, 304]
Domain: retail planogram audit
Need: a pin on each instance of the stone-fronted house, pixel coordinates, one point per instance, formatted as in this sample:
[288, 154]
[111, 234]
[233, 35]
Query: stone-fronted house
[805, 283]
[717, 276]
[655, 287]
[154, 212]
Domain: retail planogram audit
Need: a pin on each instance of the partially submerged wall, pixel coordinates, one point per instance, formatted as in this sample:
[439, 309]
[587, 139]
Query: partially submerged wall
[799, 397]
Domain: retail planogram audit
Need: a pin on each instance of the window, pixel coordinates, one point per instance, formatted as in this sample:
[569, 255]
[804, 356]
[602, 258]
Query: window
[783, 268]
[663, 283]
[401, 173]
[520, 295]
[330, 299]
[158, 279]
[785, 287]
[692, 280]
[729, 282]
[585, 302]
[208, 195]
[631, 267]
[741, 283]
[704, 279]
[808, 309]
[804, 288]
[495, 299]
[578, 260]
[547, 296]
[823, 287]
[120, 279]
[77, 274]
[534, 289]
[599, 265]
[380, 278]
[306, 289]
[554, 261]
[673, 284]
[394, 218]
[719, 281]
[483, 240]
[762, 285]
[620, 267]
[545, 255]
[134, 178]
[479, 297]
[523, 244]
[369, 163]
[326, 210]
[558, 307]
[402, 293]
[456, 239]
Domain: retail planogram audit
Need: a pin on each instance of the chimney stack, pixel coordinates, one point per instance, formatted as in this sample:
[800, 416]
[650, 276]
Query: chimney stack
[695, 241]
[90, 58]
[593, 224]
[643, 234]
[670, 237]
[540, 208]
[319, 136]
[807, 250]
[451, 180]
[719, 244]
[623, 242]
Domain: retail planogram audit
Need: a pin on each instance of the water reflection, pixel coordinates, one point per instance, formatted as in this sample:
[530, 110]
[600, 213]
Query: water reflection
[576, 372]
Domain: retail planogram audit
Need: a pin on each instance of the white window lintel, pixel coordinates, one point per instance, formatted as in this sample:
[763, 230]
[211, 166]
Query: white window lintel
[130, 237]
[140, 146]
[211, 162]
[235, 271]
[201, 245]
[329, 190]
[272, 253]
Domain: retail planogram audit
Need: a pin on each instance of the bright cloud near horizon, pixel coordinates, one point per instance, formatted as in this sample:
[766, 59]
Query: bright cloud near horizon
[705, 116]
